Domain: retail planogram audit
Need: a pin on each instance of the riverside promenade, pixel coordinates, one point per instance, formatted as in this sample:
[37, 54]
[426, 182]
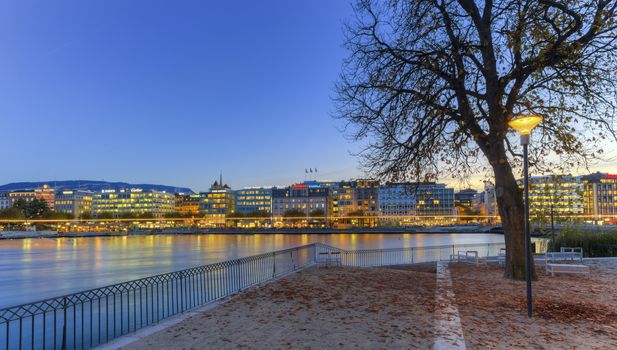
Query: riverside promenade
[404, 307]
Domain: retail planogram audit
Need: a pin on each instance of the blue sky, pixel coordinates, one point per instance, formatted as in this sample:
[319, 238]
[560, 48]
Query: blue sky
[171, 92]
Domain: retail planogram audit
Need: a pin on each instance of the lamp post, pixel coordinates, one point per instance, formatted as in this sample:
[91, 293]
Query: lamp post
[523, 125]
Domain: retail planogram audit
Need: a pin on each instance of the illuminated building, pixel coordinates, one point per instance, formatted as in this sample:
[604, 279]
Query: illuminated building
[188, 204]
[355, 197]
[27, 196]
[600, 197]
[555, 198]
[133, 202]
[217, 203]
[250, 200]
[434, 199]
[76, 203]
[305, 197]
[46, 194]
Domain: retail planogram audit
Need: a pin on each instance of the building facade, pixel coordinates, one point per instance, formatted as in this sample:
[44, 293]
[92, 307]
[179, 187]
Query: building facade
[555, 198]
[188, 204]
[5, 202]
[251, 200]
[217, 203]
[600, 197]
[27, 196]
[77, 203]
[355, 197]
[434, 199]
[305, 198]
[133, 202]
[397, 200]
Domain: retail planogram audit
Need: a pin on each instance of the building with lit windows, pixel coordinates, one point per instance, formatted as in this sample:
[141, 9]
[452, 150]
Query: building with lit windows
[217, 203]
[600, 197]
[133, 202]
[355, 197]
[434, 199]
[188, 204]
[46, 194]
[306, 198]
[555, 197]
[74, 202]
[250, 200]
[26, 195]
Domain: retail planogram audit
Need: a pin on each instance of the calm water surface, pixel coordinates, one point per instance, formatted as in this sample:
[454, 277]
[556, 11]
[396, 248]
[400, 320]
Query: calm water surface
[34, 269]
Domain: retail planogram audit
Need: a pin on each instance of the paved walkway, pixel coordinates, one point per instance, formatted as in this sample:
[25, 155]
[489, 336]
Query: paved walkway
[448, 329]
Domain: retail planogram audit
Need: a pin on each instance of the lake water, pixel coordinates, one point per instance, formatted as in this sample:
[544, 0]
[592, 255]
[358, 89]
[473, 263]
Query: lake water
[34, 269]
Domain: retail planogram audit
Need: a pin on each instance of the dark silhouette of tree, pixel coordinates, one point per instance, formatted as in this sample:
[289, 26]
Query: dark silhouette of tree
[430, 86]
[317, 212]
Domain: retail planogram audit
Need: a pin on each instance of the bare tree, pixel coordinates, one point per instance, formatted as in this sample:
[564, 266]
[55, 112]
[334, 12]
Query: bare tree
[430, 85]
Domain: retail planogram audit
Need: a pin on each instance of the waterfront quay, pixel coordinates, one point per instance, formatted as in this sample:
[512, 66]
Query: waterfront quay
[401, 308]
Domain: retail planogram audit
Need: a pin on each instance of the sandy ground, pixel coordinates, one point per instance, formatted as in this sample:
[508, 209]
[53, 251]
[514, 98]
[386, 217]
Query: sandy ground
[393, 308]
[319, 308]
[570, 311]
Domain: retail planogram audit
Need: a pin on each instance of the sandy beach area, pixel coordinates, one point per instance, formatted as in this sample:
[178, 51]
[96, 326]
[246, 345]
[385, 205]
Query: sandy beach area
[319, 308]
[394, 308]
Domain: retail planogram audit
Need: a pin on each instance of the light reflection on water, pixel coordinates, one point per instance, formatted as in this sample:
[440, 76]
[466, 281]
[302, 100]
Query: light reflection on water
[33, 269]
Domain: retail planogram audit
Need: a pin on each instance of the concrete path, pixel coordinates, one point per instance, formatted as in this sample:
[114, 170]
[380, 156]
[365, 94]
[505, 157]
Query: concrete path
[448, 329]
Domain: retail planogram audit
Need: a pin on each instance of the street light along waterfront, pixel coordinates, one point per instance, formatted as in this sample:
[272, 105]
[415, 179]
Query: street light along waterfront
[523, 125]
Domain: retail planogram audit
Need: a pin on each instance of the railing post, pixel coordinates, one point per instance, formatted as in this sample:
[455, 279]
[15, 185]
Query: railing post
[412, 255]
[181, 291]
[64, 324]
[273, 264]
[238, 276]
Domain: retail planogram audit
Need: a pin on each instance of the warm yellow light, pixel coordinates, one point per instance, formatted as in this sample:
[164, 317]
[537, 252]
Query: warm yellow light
[525, 124]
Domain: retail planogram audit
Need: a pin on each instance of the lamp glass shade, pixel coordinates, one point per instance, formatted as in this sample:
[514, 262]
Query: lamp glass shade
[525, 124]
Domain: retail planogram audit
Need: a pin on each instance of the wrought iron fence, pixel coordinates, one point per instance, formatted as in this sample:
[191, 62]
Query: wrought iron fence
[94, 317]
[90, 318]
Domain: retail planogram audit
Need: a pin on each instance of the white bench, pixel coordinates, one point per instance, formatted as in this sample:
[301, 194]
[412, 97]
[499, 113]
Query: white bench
[564, 256]
[329, 258]
[566, 268]
[469, 256]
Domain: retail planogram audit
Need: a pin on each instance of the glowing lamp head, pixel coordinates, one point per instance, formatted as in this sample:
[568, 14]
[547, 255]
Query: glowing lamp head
[523, 125]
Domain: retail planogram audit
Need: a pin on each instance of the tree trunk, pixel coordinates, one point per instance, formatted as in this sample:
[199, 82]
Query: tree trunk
[512, 212]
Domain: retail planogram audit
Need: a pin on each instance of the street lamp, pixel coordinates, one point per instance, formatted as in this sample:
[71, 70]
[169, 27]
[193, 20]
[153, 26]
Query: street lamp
[524, 125]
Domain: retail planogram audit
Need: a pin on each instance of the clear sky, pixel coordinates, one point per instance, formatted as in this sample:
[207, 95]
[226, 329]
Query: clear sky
[172, 92]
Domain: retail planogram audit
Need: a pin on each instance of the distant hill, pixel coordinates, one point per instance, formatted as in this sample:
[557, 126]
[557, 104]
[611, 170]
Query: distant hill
[95, 186]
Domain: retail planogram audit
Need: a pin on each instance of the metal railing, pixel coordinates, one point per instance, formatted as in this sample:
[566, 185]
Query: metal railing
[94, 317]
[90, 318]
